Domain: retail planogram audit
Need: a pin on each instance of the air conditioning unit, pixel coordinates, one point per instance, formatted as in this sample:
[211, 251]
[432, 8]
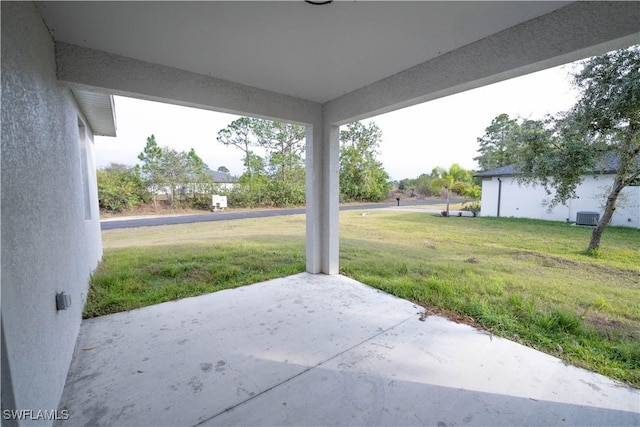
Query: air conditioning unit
[587, 218]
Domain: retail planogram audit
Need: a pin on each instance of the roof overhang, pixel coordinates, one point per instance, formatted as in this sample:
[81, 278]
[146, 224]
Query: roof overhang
[98, 109]
[346, 60]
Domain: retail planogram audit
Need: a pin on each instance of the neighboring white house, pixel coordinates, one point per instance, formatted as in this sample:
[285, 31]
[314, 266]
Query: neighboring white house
[502, 195]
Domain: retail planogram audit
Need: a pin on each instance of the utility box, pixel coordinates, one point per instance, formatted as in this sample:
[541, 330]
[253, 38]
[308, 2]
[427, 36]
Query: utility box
[587, 218]
[218, 203]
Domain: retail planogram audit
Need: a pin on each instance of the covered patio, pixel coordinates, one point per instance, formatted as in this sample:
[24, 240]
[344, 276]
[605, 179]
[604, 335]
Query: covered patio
[321, 350]
[319, 65]
[315, 348]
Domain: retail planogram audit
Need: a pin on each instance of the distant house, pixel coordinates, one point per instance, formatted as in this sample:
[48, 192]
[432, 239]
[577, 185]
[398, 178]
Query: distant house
[224, 180]
[502, 195]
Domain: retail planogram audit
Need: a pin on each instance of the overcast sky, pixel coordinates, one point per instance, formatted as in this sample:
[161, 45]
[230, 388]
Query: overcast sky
[414, 141]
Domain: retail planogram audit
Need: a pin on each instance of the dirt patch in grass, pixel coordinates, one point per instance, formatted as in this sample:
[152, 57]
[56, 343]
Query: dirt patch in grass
[628, 278]
[544, 260]
[428, 244]
[453, 316]
[607, 326]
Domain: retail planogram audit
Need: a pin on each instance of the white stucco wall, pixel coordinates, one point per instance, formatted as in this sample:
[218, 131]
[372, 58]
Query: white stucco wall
[48, 244]
[532, 201]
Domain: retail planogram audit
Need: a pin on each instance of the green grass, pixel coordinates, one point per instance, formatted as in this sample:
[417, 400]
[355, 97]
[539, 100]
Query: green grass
[453, 207]
[150, 265]
[530, 281]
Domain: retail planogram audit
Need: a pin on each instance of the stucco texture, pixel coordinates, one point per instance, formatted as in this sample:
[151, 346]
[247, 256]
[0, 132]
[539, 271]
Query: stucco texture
[47, 244]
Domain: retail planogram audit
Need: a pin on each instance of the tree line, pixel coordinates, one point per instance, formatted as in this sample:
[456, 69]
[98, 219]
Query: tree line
[180, 176]
[273, 155]
[277, 177]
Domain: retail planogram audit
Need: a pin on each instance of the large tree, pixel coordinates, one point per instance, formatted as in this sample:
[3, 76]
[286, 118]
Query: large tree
[181, 173]
[199, 183]
[276, 175]
[150, 158]
[601, 130]
[240, 134]
[496, 146]
[362, 176]
[173, 170]
[284, 143]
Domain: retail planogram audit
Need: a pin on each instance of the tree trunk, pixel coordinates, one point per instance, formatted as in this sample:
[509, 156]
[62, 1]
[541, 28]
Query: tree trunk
[246, 156]
[610, 207]
[447, 201]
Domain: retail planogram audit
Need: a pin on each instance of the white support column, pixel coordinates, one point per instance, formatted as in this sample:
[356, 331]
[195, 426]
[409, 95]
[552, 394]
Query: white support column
[313, 161]
[331, 198]
[323, 158]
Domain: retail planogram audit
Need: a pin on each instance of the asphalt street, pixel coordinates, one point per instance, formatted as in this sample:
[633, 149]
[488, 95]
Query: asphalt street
[229, 215]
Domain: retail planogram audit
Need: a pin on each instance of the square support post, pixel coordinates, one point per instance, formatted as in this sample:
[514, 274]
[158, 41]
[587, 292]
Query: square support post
[323, 169]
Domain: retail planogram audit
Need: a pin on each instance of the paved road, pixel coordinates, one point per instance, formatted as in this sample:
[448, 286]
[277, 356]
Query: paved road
[186, 219]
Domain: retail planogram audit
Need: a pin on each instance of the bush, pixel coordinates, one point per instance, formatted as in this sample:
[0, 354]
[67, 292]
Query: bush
[120, 187]
[473, 207]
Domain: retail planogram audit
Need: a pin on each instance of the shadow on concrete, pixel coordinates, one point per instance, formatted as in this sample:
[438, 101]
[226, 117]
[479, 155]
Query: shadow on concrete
[349, 396]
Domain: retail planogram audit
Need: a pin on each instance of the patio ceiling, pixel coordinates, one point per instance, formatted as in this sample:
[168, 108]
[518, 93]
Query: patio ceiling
[359, 59]
[312, 52]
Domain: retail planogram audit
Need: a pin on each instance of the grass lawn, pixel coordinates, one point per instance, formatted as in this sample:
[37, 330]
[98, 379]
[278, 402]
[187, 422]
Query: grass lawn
[526, 280]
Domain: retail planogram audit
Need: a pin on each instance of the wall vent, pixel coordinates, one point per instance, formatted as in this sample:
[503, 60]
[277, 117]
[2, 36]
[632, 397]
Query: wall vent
[587, 218]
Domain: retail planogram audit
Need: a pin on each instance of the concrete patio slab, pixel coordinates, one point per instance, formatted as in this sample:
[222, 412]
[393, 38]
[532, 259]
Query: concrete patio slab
[321, 350]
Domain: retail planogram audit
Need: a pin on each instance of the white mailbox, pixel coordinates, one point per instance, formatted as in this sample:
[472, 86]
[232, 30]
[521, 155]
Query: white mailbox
[218, 202]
